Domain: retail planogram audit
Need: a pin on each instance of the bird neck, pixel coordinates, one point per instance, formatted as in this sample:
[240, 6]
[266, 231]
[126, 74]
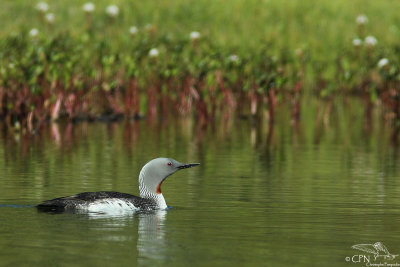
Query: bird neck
[148, 188]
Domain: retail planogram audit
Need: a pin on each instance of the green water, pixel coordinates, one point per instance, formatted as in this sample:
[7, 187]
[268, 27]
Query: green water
[291, 195]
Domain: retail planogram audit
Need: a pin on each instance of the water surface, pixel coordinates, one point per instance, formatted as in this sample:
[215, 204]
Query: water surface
[288, 195]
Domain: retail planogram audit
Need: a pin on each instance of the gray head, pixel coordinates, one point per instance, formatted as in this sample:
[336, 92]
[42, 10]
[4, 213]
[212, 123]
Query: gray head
[155, 172]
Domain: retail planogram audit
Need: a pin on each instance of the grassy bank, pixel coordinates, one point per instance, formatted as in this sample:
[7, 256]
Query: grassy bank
[204, 57]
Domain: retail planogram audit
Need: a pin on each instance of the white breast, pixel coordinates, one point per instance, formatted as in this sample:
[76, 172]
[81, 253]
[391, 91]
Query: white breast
[111, 206]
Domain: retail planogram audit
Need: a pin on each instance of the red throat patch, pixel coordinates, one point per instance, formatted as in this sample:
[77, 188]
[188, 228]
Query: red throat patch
[159, 188]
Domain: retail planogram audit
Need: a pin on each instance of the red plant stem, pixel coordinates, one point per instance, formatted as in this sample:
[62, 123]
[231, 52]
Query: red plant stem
[271, 106]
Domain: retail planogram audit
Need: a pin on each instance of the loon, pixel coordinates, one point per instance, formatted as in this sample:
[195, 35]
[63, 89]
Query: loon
[151, 177]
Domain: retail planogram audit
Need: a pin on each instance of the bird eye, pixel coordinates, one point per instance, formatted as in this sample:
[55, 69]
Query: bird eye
[169, 164]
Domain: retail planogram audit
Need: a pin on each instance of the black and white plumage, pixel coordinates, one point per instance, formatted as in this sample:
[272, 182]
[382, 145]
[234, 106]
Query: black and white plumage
[92, 201]
[151, 177]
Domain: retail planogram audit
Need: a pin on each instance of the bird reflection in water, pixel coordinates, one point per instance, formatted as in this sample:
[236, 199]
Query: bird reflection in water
[151, 233]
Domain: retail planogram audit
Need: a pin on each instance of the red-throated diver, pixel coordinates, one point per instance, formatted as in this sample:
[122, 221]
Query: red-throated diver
[151, 177]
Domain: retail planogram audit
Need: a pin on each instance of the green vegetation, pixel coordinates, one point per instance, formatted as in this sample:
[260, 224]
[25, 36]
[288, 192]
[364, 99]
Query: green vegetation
[212, 57]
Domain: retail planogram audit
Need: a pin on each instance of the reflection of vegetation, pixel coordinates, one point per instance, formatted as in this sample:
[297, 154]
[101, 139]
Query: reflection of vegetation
[256, 159]
[179, 56]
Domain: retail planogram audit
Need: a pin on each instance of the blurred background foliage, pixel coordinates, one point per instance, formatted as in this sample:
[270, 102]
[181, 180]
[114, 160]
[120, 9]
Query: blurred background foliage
[129, 58]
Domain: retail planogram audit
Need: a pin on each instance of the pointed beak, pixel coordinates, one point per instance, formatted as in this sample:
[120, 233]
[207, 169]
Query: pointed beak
[190, 165]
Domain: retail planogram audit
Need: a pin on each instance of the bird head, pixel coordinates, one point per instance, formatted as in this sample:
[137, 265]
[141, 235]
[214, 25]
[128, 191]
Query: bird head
[155, 172]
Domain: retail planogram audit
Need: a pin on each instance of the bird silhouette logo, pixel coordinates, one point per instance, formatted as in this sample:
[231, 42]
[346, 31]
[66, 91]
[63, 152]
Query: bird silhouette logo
[378, 250]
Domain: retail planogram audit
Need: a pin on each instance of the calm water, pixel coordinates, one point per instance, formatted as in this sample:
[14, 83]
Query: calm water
[291, 195]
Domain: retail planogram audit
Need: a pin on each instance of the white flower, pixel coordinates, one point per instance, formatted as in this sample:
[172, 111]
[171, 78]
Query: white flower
[357, 42]
[49, 18]
[133, 30]
[361, 19]
[194, 35]
[34, 32]
[153, 52]
[17, 125]
[383, 62]
[42, 7]
[88, 7]
[370, 40]
[112, 10]
[233, 58]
